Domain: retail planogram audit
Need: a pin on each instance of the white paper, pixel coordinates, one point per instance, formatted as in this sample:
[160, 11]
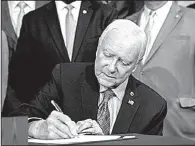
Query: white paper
[80, 139]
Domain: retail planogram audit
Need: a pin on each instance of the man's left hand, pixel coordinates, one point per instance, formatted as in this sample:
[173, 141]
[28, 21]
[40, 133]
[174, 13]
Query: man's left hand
[89, 126]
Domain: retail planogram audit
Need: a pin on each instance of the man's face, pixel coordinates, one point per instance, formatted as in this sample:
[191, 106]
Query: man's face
[115, 60]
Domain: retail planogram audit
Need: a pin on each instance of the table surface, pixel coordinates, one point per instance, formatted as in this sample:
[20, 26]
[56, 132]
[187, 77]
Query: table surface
[142, 140]
[146, 140]
[15, 131]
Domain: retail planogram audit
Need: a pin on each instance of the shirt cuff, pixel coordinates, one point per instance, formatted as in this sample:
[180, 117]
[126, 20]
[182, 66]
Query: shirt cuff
[31, 119]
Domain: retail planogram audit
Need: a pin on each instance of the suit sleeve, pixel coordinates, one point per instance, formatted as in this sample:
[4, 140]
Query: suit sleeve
[26, 66]
[156, 125]
[41, 106]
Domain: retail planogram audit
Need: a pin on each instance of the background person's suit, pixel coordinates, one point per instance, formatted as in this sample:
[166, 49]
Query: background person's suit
[41, 45]
[7, 26]
[75, 88]
[170, 69]
[11, 102]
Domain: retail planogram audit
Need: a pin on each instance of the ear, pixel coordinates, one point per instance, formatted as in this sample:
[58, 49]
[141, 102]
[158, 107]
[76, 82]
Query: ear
[98, 47]
[139, 61]
[96, 52]
[135, 68]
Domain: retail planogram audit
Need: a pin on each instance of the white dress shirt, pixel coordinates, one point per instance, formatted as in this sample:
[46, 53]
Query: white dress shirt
[14, 10]
[114, 103]
[159, 19]
[62, 11]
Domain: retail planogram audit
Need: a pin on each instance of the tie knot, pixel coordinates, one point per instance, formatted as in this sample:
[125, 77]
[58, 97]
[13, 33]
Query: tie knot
[152, 13]
[69, 7]
[108, 94]
[22, 5]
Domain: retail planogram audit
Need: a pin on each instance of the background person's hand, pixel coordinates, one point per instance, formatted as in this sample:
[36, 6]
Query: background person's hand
[56, 126]
[89, 126]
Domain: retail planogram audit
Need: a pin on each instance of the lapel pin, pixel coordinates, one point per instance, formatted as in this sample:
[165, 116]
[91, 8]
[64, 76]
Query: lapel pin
[131, 93]
[84, 11]
[177, 16]
[131, 102]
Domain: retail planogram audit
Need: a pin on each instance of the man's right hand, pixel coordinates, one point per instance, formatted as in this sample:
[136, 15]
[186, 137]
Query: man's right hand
[56, 126]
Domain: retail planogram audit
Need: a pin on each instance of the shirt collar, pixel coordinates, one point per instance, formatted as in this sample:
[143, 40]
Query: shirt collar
[61, 5]
[13, 4]
[160, 11]
[119, 91]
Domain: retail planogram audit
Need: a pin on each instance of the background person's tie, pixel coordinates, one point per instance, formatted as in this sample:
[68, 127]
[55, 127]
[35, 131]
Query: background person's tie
[70, 30]
[148, 30]
[21, 5]
[103, 116]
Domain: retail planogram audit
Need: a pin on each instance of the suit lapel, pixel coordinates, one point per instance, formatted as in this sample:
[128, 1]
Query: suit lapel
[171, 21]
[82, 25]
[54, 27]
[128, 109]
[90, 94]
[6, 22]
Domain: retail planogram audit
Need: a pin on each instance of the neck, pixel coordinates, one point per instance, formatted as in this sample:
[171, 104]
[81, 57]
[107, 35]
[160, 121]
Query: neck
[154, 5]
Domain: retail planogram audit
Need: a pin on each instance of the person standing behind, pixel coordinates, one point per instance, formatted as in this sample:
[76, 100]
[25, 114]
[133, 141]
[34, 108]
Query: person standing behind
[168, 65]
[11, 16]
[60, 31]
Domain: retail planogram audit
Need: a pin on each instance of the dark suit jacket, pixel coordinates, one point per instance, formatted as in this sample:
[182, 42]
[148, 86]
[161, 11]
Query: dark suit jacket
[11, 102]
[126, 7]
[7, 26]
[75, 88]
[170, 69]
[41, 45]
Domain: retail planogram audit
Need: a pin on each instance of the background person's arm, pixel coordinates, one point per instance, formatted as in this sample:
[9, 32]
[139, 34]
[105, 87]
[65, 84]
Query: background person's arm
[5, 63]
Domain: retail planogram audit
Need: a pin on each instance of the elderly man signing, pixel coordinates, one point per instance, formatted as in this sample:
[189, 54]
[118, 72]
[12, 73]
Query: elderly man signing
[101, 98]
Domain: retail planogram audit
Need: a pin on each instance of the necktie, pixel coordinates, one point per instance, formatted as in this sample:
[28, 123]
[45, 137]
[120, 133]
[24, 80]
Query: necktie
[148, 30]
[21, 5]
[103, 116]
[70, 30]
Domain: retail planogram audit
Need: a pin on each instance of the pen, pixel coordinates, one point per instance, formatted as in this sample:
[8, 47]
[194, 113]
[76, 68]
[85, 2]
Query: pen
[127, 137]
[56, 106]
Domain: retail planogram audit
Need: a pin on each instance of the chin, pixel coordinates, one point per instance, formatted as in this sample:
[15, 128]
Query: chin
[106, 83]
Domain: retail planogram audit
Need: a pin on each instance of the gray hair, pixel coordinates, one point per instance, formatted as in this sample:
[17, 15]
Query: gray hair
[130, 31]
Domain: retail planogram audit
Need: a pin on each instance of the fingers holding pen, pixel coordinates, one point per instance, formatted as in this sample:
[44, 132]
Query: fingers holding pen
[64, 126]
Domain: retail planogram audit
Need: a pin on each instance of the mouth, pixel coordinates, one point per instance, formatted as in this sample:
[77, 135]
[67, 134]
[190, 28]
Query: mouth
[108, 76]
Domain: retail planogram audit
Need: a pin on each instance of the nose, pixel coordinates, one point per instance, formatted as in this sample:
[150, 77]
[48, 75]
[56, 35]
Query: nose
[112, 66]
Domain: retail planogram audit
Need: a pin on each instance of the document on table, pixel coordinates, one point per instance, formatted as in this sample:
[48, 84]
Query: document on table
[80, 139]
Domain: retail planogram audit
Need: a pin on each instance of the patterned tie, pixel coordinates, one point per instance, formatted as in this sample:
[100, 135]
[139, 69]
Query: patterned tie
[70, 30]
[21, 5]
[103, 116]
[148, 30]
